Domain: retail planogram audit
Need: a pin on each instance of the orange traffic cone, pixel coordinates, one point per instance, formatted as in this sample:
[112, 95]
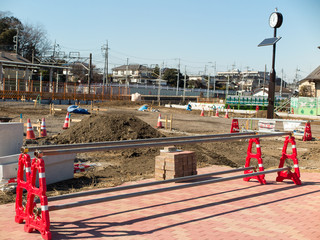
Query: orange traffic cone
[202, 113]
[217, 112]
[66, 122]
[43, 130]
[30, 133]
[159, 124]
[227, 115]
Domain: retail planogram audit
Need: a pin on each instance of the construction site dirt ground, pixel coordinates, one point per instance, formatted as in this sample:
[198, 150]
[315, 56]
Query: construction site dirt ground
[122, 121]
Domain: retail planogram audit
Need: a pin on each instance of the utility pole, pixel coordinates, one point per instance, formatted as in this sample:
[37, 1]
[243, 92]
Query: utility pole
[159, 83]
[127, 69]
[296, 78]
[214, 78]
[106, 64]
[281, 82]
[184, 83]
[208, 85]
[90, 73]
[32, 56]
[54, 49]
[178, 78]
[264, 78]
[227, 90]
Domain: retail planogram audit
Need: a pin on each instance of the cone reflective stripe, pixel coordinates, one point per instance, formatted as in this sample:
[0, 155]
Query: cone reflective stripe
[42, 175]
[66, 122]
[30, 133]
[294, 176]
[159, 124]
[257, 156]
[43, 131]
[44, 208]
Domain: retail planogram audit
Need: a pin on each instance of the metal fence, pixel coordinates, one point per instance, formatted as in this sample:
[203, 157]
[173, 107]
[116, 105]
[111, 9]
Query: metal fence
[235, 100]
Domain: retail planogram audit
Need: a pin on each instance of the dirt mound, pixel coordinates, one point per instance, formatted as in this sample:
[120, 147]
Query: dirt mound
[108, 127]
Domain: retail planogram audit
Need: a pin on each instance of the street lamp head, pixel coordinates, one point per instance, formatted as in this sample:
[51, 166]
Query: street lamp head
[319, 47]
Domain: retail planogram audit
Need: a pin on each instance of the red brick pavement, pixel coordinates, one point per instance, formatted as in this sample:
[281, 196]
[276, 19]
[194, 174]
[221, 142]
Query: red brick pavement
[226, 210]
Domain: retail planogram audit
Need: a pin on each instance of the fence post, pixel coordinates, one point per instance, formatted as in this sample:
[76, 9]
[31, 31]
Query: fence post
[64, 91]
[52, 91]
[18, 90]
[74, 92]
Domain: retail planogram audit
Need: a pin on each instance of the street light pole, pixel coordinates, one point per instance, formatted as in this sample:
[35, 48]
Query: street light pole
[214, 79]
[270, 110]
[178, 78]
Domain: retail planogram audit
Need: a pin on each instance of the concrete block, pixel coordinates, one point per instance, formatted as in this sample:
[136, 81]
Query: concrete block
[11, 138]
[57, 168]
[9, 159]
[8, 170]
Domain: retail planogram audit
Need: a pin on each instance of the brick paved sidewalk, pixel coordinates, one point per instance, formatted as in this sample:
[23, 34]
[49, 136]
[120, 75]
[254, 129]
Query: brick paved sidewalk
[226, 210]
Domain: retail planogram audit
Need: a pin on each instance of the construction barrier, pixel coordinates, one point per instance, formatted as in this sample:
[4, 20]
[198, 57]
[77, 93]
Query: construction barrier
[270, 125]
[38, 218]
[295, 176]
[234, 126]
[22, 185]
[35, 218]
[257, 156]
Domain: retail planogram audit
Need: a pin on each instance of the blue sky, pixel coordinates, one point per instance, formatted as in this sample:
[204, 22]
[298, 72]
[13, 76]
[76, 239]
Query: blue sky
[198, 32]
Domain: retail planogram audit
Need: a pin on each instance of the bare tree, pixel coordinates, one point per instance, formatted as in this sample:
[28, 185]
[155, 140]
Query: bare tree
[33, 41]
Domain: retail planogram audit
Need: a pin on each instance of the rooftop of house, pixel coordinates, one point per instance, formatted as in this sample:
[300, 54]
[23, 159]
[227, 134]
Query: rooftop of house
[134, 67]
[13, 57]
[277, 89]
[313, 76]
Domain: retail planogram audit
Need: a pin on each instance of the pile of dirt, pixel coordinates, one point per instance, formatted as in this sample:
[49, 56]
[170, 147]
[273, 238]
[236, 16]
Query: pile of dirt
[107, 127]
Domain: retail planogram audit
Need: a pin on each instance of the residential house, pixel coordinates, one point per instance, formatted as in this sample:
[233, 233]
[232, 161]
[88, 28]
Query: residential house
[134, 73]
[284, 92]
[310, 86]
[77, 71]
[243, 81]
